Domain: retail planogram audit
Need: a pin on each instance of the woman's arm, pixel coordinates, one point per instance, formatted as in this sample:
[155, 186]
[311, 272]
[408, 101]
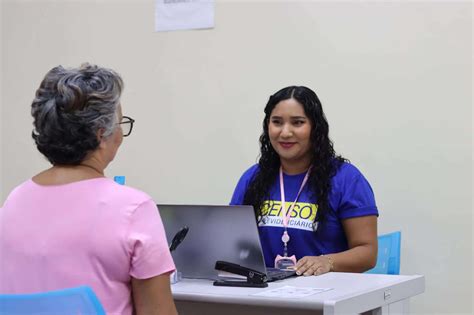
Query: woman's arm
[361, 256]
[153, 296]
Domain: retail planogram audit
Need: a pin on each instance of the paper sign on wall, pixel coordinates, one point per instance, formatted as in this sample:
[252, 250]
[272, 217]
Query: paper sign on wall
[172, 15]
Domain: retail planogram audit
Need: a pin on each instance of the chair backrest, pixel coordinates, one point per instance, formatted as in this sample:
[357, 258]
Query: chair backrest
[388, 257]
[80, 300]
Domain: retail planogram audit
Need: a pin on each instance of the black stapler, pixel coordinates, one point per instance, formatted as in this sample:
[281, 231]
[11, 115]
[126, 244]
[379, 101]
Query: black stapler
[255, 279]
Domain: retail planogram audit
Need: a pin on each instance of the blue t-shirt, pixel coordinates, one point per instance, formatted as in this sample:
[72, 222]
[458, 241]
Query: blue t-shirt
[351, 196]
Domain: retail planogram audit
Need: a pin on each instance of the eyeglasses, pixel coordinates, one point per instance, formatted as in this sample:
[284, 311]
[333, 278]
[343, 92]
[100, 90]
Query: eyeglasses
[127, 125]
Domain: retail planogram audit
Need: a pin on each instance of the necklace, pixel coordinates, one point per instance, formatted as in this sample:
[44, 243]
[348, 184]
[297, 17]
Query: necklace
[93, 168]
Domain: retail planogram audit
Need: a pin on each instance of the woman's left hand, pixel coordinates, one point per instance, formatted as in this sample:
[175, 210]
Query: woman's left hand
[313, 265]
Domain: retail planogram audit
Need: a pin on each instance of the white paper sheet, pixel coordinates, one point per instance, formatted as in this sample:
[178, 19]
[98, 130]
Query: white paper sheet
[172, 15]
[291, 292]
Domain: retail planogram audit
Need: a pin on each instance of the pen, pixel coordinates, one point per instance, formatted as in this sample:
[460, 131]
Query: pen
[178, 238]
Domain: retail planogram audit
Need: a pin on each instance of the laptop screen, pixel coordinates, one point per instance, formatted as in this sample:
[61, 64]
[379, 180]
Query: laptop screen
[227, 233]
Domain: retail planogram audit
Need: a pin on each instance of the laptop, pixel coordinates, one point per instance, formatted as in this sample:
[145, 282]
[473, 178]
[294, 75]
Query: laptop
[216, 233]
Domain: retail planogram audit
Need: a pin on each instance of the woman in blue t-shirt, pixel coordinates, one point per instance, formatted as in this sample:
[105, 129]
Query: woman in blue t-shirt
[330, 217]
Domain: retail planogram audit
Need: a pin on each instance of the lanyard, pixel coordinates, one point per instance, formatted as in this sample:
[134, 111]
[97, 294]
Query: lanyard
[285, 238]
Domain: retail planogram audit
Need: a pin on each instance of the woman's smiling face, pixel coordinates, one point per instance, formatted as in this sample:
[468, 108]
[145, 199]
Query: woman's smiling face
[289, 130]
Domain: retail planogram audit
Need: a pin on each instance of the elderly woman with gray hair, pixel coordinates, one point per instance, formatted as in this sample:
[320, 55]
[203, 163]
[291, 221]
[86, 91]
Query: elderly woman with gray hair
[70, 225]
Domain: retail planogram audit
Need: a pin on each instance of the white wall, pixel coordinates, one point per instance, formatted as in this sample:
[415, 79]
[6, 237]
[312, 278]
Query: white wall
[395, 79]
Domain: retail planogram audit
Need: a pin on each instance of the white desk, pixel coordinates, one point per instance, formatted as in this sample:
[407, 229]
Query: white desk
[351, 294]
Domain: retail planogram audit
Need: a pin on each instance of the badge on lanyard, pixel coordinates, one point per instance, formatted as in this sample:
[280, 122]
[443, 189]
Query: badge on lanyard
[284, 262]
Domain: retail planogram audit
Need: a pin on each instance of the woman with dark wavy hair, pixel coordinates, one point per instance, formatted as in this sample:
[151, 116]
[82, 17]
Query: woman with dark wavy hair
[70, 225]
[329, 218]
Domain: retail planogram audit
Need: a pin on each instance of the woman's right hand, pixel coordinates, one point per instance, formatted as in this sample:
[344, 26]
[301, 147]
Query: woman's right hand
[313, 265]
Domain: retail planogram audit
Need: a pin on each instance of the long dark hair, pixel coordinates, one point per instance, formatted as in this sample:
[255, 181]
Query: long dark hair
[325, 162]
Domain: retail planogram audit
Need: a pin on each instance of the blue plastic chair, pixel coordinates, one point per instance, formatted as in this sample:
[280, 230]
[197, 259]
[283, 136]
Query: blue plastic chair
[388, 257]
[80, 300]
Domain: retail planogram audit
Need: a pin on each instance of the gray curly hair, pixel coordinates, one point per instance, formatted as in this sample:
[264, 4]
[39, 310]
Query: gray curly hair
[70, 106]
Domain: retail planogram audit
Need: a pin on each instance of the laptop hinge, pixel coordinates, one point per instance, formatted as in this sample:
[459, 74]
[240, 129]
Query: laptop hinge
[253, 277]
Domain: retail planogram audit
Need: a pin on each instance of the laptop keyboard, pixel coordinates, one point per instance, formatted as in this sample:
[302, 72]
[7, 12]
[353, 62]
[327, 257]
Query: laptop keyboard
[274, 274]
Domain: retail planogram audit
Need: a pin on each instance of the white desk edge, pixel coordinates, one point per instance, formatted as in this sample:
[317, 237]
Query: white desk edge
[382, 290]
